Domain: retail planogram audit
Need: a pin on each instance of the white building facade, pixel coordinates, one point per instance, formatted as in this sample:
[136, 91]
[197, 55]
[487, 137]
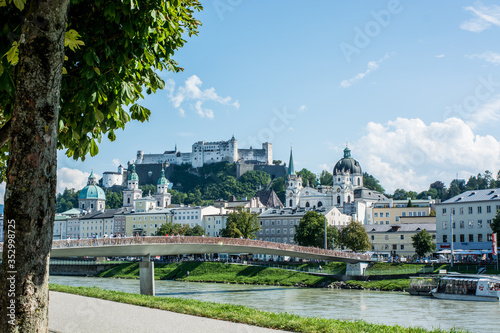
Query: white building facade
[468, 217]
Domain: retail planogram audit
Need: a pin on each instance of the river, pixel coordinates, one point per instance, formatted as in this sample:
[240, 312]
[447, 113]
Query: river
[391, 308]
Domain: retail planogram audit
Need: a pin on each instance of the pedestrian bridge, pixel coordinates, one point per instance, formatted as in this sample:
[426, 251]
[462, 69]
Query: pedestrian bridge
[174, 245]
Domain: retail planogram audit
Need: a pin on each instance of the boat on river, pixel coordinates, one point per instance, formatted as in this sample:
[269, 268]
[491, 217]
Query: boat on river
[422, 285]
[465, 287]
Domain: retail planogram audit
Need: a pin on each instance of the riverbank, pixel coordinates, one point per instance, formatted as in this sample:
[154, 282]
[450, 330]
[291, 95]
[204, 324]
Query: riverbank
[221, 273]
[243, 274]
[237, 313]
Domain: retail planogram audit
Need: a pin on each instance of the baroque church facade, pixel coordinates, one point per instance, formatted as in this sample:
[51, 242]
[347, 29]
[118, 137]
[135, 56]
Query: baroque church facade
[346, 192]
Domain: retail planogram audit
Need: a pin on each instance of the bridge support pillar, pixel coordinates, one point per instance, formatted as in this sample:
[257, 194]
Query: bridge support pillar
[147, 276]
[356, 268]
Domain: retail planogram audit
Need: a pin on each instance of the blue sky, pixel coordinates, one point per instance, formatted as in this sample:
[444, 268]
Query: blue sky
[413, 86]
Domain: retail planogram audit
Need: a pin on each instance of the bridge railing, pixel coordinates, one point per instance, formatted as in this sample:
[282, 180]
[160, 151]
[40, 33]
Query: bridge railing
[138, 240]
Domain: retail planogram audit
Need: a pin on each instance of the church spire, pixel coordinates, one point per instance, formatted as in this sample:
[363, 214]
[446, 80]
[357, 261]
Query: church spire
[291, 170]
[347, 152]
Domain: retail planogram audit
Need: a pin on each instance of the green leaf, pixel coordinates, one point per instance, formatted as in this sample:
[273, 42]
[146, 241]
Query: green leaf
[71, 39]
[94, 150]
[13, 54]
[97, 71]
[19, 4]
[1, 69]
[99, 115]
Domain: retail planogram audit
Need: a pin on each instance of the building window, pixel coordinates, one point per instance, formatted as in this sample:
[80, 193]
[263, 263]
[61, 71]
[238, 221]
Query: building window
[373, 237]
[397, 218]
[489, 237]
[488, 209]
[479, 209]
[386, 222]
[461, 210]
[386, 214]
[386, 237]
[471, 237]
[444, 211]
[402, 237]
[445, 224]
[471, 224]
[454, 238]
[394, 246]
[470, 210]
[479, 237]
[479, 223]
[462, 224]
[488, 222]
[375, 214]
[291, 230]
[462, 238]
[445, 238]
[272, 231]
[402, 247]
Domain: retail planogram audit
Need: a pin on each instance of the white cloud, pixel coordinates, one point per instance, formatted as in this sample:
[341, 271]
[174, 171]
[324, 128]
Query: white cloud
[116, 162]
[487, 113]
[302, 108]
[407, 153]
[203, 112]
[191, 91]
[440, 56]
[491, 57]
[182, 113]
[71, 178]
[484, 17]
[372, 66]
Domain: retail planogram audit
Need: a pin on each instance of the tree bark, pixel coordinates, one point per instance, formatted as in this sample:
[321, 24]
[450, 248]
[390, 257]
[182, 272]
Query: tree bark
[30, 196]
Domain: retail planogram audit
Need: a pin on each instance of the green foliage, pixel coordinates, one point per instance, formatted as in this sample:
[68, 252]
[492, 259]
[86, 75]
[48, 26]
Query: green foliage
[326, 178]
[147, 189]
[67, 200]
[495, 224]
[277, 162]
[111, 65]
[423, 243]
[353, 236]
[373, 184]
[170, 228]
[307, 177]
[113, 199]
[279, 188]
[241, 224]
[400, 194]
[311, 231]
[215, 181]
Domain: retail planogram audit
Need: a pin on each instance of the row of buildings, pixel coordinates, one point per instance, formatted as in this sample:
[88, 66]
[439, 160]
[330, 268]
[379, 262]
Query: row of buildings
[390, 224]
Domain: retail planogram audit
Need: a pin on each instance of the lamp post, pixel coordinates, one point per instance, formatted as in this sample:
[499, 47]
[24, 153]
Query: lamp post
[451, 227]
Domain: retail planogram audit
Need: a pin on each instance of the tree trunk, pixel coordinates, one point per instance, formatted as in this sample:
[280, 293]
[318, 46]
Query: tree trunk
[30, 196]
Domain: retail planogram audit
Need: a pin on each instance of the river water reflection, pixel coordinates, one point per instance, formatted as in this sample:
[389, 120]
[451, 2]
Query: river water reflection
[376, 307]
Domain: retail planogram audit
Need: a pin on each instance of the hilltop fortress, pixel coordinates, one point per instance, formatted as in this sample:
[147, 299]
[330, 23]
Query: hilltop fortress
[203, 152]
[149, 166]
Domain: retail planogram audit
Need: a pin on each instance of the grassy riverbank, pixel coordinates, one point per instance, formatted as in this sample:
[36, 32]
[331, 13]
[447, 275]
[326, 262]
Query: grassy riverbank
[238, 313]
[385, 285]
[221, 273]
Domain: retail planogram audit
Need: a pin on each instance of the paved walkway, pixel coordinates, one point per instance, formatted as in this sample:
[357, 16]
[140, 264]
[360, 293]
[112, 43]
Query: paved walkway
[77, 314]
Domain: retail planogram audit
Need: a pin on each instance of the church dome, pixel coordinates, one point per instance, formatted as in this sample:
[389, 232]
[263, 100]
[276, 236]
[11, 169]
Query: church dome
[92, 190]
[133, 175]
[347, 165]
[162, 180]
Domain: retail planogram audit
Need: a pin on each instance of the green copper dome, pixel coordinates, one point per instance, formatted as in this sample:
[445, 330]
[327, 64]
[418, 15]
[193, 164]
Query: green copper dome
[347, 165]
[92, 191]
[133, 175]
[163, 180]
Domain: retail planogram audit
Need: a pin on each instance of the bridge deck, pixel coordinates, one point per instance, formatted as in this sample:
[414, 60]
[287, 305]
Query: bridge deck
[174, 245]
